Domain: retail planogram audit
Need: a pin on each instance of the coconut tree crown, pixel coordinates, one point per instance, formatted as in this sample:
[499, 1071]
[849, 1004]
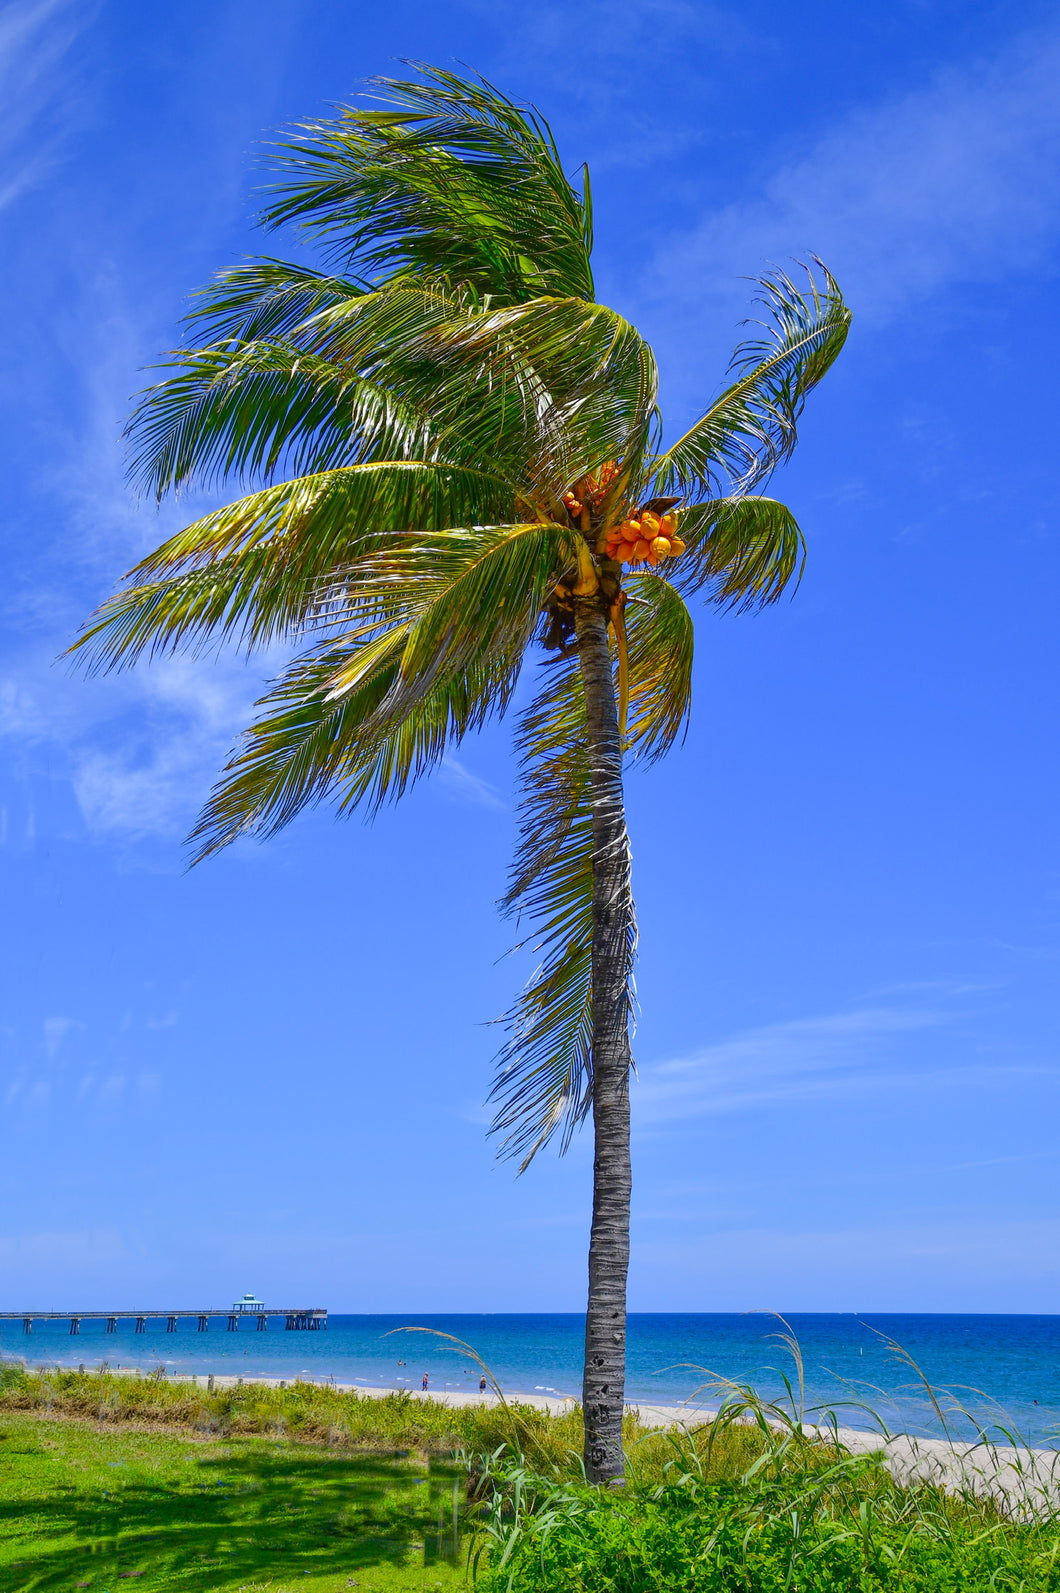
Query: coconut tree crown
[446, 444]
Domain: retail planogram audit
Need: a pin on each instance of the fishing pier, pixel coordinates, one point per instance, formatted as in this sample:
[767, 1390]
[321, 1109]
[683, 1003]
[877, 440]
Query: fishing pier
[304, 1319]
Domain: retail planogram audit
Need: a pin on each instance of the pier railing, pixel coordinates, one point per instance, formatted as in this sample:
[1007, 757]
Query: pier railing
[305, 1319]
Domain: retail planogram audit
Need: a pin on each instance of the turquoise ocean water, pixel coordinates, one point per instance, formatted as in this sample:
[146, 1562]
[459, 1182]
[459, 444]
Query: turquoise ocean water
[996, 1366]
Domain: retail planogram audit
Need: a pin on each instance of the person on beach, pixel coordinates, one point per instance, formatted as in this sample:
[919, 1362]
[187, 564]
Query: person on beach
[482, 1384]
[424, 1383]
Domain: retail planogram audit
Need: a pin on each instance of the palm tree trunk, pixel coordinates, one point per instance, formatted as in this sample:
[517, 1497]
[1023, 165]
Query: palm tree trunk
[603, 1389]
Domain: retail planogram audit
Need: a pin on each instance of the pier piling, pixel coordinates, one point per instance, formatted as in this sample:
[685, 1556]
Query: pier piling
[304, 1319]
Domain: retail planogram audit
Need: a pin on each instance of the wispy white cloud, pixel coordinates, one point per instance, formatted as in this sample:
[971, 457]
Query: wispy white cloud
[459, 781]
[34, 38]
[958, 182]
[190, 713]
[933, 987]
[804, 1059]
[141, 751]
[88, 1247]
[153, 782]
[55, 1032]
[1030, 953]
[973, 1263]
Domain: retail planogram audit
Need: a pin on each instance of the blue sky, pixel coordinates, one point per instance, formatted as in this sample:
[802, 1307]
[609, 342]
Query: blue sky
[268, 1074]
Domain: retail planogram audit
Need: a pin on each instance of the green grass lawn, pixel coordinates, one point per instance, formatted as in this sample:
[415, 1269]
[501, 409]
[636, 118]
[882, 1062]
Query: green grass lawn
[81, 1508]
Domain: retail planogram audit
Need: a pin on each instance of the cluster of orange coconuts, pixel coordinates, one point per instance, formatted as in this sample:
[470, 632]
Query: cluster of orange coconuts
[645, 538]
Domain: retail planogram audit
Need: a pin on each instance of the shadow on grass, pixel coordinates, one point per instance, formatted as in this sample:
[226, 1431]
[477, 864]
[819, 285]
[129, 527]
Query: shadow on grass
[258, 1514]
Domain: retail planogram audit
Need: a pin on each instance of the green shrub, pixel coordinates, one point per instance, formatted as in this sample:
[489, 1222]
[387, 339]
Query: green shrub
[849, 1531]
[754, 1502]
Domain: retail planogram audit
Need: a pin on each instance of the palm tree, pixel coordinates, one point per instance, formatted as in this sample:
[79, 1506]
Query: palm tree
[454, 462]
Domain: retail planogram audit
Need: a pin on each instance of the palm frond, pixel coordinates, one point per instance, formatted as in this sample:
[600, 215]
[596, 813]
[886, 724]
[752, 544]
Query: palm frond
[265, 299]
[742, 552]
[583, 379]
[543, 1083]
[487, 404]
[361, 746]
[661, 639]
[544, 392]
[452, 180]
[267, 563]
[308, 398]
[479, 593]
[442, 624]
[243, 412]
[751, 427]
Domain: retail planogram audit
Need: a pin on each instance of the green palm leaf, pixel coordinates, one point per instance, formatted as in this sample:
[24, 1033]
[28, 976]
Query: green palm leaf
[742, 553]
[360, 746]
[453, 181]
[266, 299]
[267, 564]
[242, 406]
[436, 632]
[521, 389]
[581, 378]
[243, 413]
[544, 1071]
[661, 644]
[751, 427]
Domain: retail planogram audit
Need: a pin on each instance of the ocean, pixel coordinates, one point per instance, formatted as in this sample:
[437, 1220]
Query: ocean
[1005, 1370]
